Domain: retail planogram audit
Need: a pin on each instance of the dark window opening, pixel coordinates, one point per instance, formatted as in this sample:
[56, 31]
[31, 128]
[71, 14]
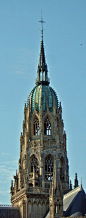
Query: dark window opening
[47, 127]
[62, 169]
[58, 124]
[36, 126]
[30, 184]
[48, 168]
[34, 164]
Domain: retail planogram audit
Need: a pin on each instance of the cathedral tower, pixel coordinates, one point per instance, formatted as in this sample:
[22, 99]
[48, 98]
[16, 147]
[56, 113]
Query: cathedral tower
[43, 155]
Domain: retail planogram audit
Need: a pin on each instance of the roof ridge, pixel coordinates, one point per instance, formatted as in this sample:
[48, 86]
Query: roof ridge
[73, 191]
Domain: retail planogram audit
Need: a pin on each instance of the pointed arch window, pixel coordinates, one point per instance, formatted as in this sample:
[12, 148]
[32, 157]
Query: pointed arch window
[47, 127]
[48, 168]
[34, 164]
[36, 126]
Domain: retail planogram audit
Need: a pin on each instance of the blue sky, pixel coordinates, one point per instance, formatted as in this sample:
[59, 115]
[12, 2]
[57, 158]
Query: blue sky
[64, 32]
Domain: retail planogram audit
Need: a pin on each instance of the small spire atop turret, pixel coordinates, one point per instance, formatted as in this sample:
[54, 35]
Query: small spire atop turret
[16, 173]
[75, 181]
[11, 188]
[42, 66]
[70, 185]
[42, 55]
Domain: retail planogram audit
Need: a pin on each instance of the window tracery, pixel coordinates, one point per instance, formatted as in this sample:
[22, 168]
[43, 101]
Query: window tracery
[49, 168]
[36, 126]
[47, 127]
[34, 164]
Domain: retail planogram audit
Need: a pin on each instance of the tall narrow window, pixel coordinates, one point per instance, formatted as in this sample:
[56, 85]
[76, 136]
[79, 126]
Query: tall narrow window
[40, 76]
[43, 76]
[62, 169]
[36, 126]
[34, 163]
[57, 124]
[56, 209]
[49, 168]
[47, 127]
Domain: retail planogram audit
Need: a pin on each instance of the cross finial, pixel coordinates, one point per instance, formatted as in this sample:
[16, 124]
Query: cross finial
[41, 21]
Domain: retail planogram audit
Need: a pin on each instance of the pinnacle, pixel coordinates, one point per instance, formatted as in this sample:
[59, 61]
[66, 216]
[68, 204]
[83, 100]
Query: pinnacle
[42, 61]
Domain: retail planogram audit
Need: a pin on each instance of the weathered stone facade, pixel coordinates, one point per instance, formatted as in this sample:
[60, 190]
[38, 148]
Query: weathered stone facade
[43, 155]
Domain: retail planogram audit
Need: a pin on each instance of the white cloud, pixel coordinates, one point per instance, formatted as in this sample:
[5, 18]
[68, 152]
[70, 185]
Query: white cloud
[3, 182]
[6, 173]
[26, 59]
[6, 154]
[3, 192]
[7, 170]
[18, 72]
[10, 162]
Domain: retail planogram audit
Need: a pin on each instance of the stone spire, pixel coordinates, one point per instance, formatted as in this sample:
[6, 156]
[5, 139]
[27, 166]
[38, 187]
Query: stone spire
[42, 66]
[42, 61]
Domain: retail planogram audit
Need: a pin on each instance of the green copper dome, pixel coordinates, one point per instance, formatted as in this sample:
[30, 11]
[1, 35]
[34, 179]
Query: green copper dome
[45, 95]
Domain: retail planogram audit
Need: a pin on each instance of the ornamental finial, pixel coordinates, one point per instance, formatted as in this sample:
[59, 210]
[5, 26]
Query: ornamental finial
[41, 21]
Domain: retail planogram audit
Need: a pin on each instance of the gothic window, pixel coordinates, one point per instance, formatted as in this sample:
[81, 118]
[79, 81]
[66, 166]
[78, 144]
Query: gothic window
[34, 164]
[36, 126]
[49, 168]
[47, 127]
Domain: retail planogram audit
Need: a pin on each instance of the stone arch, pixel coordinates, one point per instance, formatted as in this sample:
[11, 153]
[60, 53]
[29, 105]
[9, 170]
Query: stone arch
[37, 156]
[49, 164]
[48, 153]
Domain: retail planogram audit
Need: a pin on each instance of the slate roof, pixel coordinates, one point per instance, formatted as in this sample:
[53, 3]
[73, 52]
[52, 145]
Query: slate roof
[48, 215]
[9, 212]
[74, 202]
